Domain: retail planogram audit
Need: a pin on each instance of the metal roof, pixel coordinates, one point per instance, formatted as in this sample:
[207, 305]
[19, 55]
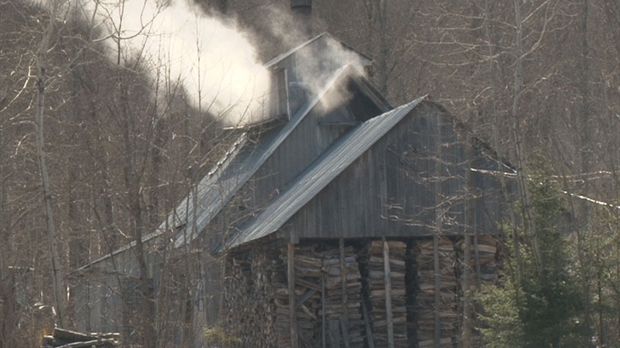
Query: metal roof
[325, 169]
[274, 62]
[177, 217]
[230, 174]
[213, 195]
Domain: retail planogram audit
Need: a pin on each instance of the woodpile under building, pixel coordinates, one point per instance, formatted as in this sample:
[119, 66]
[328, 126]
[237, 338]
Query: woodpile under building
[436, 301]
[386, 269]
[357, 293]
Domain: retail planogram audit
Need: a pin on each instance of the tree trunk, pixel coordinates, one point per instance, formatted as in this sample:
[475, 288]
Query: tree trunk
[384, 47]
[132, 182]
[496, 136]
[8, 318]
[466, 332]
[59, 288]
[528, 214]
[585, 153]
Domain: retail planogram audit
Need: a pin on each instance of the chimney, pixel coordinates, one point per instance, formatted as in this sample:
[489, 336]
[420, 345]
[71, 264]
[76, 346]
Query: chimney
[302, 11]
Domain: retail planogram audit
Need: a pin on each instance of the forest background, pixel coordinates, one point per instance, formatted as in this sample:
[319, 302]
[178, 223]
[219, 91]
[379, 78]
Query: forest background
[96, 148]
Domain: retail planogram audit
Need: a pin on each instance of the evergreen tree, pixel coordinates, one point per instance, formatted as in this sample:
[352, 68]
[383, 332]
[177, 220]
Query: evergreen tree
[542, 309]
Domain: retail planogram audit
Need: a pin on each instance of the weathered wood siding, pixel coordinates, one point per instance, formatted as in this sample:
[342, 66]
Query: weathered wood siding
[399, 187]
[304, 145]
[311, 138]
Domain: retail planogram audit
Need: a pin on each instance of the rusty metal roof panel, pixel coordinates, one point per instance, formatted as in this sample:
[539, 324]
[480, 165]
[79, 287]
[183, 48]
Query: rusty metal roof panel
[321, 173]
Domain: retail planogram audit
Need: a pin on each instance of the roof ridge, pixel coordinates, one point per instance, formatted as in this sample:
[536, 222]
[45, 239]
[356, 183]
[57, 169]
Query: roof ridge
[319, 174]
[223, 164]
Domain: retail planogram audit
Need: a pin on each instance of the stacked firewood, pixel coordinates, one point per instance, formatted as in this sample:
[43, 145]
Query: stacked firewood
[308, 275]
[343, 314]
[257, 300]
[378, 292]
[270, 284]
[482, 269]
[425, 306]
[483, 261]
[234, 301]
[70, 339]
[252, 316]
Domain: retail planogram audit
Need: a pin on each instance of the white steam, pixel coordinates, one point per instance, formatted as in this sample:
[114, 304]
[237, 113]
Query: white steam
[178, 44]
[316, 64]
[315, 71]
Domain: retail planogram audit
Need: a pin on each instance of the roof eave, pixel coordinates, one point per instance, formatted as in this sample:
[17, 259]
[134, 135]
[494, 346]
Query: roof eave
[319, 175]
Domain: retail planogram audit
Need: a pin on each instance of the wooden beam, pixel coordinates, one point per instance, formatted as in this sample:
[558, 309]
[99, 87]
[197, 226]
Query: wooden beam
[304, 297]
[104, 342]
[323, 308]
[343, 276]
[344, 319]
[69, 335]
[436, 163]
[334, 333]
[369, 335]
[291, 295]
[467, 325]
[388, 294]
[477, 256]
[344, 327]
[308, 284]
[437, 271]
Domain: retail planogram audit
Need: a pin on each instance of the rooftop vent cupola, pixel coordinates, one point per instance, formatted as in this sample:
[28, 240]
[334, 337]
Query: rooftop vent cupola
[302, 11]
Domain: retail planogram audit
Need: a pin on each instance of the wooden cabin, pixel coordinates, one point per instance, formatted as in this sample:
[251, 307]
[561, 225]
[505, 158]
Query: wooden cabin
[338, 222]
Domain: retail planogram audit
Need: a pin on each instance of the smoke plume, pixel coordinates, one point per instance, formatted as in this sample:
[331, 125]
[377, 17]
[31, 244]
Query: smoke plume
[314, 67]
[177, 43]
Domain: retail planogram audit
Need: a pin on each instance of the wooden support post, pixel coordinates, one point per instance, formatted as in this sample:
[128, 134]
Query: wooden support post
[291, 295]
[437, 272]
[467, 325]
[323, 316]
[344, 328]
[344, 319]
[343, 275]
[477, 257]
[334, 333]
[369, 335]
[388, 294]
[437, 165]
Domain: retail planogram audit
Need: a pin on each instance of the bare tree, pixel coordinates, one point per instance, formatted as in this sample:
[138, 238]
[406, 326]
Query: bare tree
[58, 272]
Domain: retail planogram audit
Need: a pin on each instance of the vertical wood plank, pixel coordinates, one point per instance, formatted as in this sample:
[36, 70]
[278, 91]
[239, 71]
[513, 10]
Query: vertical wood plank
[323, 318]
[383, 196]
[477, 259]
[437, 272]
[291, 295]
[467, 327]
[438, 172]
[467, 324]
[334, 333]
[344, 321]
[369, 335]
[388, 294]
[343, 275]
[344, 328]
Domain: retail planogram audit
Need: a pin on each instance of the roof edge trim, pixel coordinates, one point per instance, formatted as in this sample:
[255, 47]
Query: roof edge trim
[327, 168]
